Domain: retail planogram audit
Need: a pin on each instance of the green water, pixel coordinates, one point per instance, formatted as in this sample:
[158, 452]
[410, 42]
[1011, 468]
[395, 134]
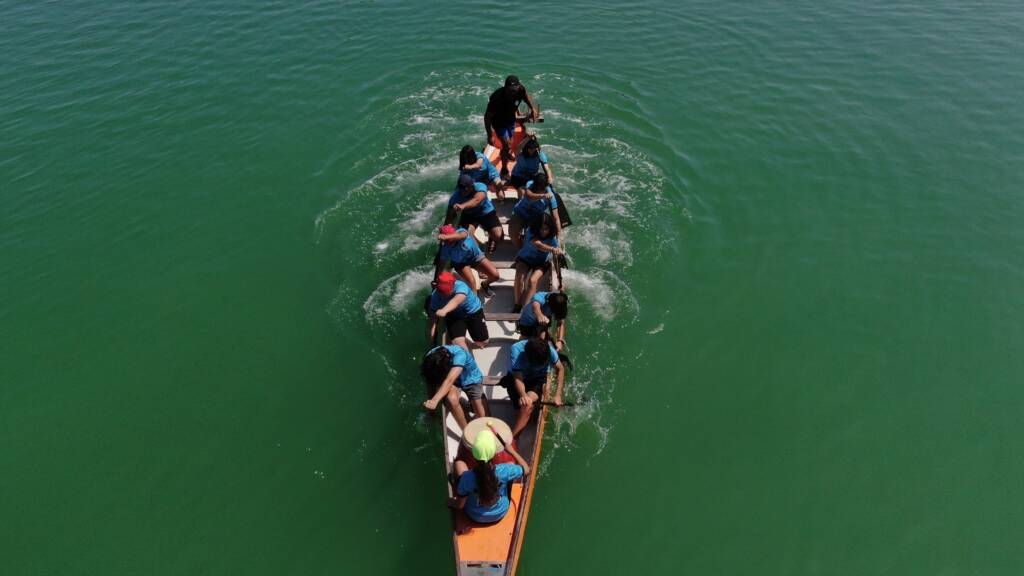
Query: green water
[798, 286]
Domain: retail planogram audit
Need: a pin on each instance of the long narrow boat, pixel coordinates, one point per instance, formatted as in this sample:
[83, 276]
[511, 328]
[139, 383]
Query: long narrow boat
[494, 549]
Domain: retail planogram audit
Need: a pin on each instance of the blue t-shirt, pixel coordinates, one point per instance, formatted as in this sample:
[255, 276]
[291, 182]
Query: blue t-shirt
[480, 209]
[520, 362]
[485, 173]
[468, 307]
[531, 253]
[462, 252]
[527, 318]
[464, 359]
[467, 487]
[529, 209]
[527, 167]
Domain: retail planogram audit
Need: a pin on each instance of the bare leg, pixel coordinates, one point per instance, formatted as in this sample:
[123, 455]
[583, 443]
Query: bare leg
[461, 341]
[472, 234]
[480, 407]
[515, 231]
[469, 278]
[523, 415]
[531, 286]
[498, 189]
[460, 468]
[520, 192]
[517, 285]
[486, 269]
[496, 234]
[456, 407]
[506, 154]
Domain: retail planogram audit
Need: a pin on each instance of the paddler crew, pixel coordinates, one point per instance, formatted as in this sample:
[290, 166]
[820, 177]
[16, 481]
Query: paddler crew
[530, 161]
[501, 113]
[479, 167]
[482, 492]
[535, 320]
[529, 363]
[538, 198]
[463, 253]
[533, 258]
[448, 370]
[453, 300]
[470, 198]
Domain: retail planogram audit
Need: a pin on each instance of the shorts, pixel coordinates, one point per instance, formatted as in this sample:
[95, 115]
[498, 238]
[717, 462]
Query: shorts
[474, 391]
[487, 221]
[506, 132]
[528, 331]
[533, 384]
[519, 181]
[474, 324]
[541, 265]
[476, 260]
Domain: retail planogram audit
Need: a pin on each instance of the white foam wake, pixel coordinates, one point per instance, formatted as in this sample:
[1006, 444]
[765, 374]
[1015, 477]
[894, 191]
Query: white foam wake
[605, 293]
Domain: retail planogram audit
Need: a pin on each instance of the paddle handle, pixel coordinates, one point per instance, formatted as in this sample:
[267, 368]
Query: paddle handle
[497, 435]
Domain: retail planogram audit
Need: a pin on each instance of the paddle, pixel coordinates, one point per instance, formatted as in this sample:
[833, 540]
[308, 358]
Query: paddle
[563, 404]
[559, 262]
[563, 212]
[496, 435]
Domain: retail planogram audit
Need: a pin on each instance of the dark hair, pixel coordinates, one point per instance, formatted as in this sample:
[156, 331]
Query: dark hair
[511, 80]
[436, 366]
[559, 304]
[467, 155]
[540, 182]
[532, 144]
[537, 351]
[538, 222]
[486, 484]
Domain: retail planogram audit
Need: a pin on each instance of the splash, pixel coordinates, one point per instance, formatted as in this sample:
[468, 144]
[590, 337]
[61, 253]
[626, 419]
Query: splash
[604, 240]
[397, 295]
[605, 293]
[566, 117]
[582, 427]
[392, 181]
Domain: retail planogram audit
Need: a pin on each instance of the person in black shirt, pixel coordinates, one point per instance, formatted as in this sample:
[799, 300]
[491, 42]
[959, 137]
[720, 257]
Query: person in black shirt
[502, 110]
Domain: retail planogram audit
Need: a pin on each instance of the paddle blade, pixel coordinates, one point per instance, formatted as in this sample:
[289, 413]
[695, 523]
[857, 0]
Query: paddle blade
[563, 212]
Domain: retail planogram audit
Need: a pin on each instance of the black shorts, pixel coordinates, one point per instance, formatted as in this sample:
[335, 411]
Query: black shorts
[533, 265]
[528, 331]
[474, 323]
[535, 384]
[487, 221]
[519, 181]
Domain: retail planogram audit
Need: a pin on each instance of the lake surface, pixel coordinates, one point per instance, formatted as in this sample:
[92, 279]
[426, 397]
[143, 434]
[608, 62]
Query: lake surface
[797, 292]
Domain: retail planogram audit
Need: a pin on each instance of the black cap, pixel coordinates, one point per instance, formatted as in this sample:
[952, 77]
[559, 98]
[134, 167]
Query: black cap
[511, 81]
